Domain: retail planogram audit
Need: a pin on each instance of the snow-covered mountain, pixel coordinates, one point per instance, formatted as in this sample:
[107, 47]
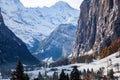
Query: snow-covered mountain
[33, 24]
[12, 49]
[59, 44]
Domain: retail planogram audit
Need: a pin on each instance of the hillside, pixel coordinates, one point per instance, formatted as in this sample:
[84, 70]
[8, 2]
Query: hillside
[12, 49]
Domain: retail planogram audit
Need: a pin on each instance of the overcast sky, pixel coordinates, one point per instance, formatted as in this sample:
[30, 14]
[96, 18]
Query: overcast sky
[48, 3]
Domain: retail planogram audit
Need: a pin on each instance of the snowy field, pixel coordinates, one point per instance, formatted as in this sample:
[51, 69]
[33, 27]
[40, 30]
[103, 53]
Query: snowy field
[108, 63]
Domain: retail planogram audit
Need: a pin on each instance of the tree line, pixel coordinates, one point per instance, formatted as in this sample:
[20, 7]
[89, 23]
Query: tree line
[75, 74]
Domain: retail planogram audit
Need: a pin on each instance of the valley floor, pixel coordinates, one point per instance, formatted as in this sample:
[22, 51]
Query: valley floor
[106, 64]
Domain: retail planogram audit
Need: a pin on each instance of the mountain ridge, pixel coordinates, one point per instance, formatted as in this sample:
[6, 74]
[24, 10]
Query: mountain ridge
[12, 49]
[58, 44]
[35, 24]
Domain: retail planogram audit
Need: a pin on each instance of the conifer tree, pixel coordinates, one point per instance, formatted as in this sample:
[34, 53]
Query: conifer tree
[84, 71]
[62, 76]
[26, 77]
[74, 74]
[110, 73]
[40, 77]
[14, 77]
[19, 74]
[88, 71]
[92, 74]
[20, 71]
[67, 77]
[55, 76]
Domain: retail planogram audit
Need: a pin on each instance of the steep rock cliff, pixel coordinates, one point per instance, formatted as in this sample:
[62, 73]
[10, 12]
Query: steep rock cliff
[98, 25]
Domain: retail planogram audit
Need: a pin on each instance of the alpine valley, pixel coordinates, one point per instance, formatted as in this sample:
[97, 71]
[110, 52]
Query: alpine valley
[60, 42]
[33, 25]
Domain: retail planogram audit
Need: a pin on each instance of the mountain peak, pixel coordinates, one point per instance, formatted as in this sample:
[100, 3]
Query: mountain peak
[61, 4]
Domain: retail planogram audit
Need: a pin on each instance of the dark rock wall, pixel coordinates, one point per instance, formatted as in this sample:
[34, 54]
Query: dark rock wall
[98, 25]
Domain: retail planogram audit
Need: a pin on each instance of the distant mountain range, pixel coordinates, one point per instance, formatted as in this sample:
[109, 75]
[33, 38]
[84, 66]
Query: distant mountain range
[32, 25]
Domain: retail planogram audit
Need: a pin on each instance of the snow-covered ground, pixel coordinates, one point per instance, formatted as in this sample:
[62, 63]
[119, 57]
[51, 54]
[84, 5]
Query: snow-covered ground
[108, 61]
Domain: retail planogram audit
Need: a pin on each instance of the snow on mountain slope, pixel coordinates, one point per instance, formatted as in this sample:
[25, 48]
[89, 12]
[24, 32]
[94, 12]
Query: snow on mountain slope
[33, 24]
[95, 65]
[58, 44]
[12, 49]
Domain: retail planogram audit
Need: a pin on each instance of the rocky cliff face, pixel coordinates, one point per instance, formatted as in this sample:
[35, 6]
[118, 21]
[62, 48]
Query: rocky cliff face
[98, 25]
[12, 48]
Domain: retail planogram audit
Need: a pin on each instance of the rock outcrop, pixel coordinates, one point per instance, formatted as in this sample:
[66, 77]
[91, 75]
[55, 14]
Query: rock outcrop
[98, 25]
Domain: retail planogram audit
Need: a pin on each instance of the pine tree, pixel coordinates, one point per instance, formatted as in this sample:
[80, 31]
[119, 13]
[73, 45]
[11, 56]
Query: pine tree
[99, 74]
[40, 77]
[55, 76]
[92, 74]
[19, 74]
[14, 77]
[20, 71]
[110, 73]
[67, 77]
[26, 77]
[62, 76]
[88, 71]
[74, 74]
[84, 71]
[36, 79]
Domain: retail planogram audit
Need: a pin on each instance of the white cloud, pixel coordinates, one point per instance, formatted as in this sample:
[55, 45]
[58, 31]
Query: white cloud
[48, 3]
